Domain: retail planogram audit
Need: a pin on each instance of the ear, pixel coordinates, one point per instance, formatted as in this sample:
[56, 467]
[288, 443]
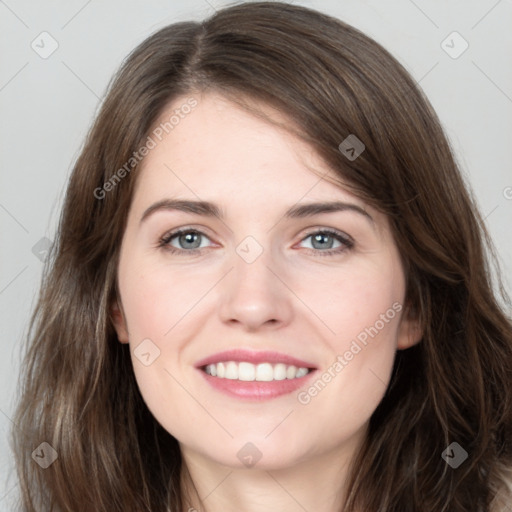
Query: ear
[119, 321]
[410, 331]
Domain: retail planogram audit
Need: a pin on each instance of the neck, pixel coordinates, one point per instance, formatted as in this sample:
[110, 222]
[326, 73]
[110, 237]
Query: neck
[314, 483]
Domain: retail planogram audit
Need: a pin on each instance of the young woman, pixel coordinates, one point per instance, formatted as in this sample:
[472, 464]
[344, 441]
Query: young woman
[270, 290]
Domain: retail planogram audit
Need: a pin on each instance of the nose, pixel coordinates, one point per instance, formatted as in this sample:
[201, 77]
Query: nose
[254, 296]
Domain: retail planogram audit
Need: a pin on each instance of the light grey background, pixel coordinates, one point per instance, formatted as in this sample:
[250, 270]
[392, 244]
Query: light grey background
[47, 105]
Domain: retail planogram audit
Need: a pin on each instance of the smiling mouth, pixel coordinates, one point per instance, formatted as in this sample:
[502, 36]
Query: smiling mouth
[248, 372]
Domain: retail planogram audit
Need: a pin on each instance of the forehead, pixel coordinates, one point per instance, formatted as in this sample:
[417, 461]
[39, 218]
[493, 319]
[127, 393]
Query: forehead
[219, 149]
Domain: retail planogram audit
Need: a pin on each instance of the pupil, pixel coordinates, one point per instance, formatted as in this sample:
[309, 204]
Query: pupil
[189, 238]
[319, 238]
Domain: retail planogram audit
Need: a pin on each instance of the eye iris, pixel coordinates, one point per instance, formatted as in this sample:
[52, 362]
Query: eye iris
[321, 237]
[190, 237]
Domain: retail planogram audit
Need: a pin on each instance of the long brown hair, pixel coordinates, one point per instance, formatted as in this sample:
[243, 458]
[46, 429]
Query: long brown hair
[78, 391]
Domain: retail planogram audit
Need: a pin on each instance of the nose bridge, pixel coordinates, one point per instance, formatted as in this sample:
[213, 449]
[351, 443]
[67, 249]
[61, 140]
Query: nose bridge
[251, 265]
[252, 295]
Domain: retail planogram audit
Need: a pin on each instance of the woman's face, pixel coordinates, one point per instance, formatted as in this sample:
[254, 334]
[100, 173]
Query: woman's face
[269, 276]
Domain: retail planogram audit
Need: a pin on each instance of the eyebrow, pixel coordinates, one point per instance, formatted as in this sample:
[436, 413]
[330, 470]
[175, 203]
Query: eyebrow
[208, 209]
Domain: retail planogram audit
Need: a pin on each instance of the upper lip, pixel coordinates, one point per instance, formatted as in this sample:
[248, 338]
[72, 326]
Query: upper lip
[254, 357]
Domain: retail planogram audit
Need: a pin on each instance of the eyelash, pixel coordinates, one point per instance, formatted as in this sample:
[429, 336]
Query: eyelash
[347, 241]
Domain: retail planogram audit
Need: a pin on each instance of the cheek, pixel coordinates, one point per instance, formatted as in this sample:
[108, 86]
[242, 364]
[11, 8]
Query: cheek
[156, 302]
[348, 302]
[157, 298]
[363, 308]
[159, 304]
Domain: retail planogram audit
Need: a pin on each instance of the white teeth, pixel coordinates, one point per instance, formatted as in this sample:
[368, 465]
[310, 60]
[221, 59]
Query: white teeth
[280, 371]
[301, 372]
[246, 371]
[263, 372]
[231, 371]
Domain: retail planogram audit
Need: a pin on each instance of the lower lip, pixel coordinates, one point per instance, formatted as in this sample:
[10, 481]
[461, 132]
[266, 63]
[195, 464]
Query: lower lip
[256, 390]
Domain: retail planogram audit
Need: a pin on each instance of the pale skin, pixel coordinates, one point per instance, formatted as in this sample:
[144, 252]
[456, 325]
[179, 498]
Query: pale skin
[292, 299]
